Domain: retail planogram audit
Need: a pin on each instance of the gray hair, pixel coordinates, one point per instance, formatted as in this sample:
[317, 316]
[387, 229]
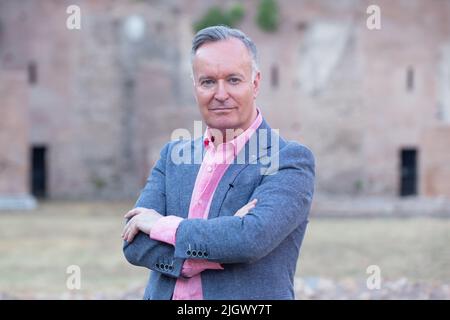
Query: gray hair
[218, 33]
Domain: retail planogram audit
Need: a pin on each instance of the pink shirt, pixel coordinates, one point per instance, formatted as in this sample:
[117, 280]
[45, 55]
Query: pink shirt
[213, 167]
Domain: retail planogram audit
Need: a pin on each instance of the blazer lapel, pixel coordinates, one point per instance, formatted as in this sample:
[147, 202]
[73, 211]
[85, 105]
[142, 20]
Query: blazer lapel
[188, 175]
[223, 187]
[235, 169]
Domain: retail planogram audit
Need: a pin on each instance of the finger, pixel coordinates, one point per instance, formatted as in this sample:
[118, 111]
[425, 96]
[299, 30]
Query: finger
[132, 213]
[248, 206]
[127, 226]
[133, 232]
[244, 210]
[125, 233]
[251, 203]
[241, 213]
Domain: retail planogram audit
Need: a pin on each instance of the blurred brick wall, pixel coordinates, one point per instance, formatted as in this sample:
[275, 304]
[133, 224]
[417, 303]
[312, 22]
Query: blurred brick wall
[14, 124]
[105, 104]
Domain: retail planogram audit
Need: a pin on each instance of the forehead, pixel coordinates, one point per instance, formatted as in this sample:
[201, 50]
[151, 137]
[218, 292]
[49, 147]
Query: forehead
[228, 55]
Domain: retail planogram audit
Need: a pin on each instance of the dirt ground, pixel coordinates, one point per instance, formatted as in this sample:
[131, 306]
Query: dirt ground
[37, 247]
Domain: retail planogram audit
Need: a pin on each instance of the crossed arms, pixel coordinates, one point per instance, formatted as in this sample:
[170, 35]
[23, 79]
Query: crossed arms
[284, 201]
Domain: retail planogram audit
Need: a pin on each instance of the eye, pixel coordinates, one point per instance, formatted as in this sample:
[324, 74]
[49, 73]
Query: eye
[207, 83]
[234, 80]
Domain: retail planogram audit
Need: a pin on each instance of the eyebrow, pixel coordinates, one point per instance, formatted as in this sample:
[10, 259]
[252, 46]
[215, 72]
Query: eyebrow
[203, 78]
[230, 75]
[236, 75]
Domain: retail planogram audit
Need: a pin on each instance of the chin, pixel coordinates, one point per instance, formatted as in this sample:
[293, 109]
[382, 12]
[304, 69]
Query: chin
[222, 123]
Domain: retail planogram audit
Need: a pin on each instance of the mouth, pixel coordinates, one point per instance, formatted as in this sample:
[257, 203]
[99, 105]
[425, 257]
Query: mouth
[221, 109]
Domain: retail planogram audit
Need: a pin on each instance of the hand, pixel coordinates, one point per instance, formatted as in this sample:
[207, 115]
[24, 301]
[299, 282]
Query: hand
[141, 219]
[245, 209]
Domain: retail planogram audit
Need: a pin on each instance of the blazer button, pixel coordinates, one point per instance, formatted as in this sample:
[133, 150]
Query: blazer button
[194, 253]
[166, 267]
[157, 266]
[200, 254]
[188, 253]
[170, 268]
[205, 254]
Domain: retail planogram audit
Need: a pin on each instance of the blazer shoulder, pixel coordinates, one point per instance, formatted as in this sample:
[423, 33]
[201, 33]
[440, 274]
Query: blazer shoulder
[296, 150]
[178, 144]
[181, 151]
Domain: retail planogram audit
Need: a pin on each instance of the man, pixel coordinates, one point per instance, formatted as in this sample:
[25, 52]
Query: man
[223, 228]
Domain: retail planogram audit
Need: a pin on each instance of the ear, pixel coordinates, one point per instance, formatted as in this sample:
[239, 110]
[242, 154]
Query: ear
[256, 83]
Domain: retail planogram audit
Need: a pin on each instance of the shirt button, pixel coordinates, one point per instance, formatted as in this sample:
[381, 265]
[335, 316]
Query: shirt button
[209, 169]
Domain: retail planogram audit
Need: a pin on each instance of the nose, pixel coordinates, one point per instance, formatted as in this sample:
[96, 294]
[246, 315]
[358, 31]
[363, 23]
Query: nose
[221, 93]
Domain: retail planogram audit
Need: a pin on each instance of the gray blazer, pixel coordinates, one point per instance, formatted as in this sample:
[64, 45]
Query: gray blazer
[258, 252]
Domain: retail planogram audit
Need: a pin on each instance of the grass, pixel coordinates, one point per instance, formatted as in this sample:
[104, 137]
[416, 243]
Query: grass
[36, 248]
[414, 248]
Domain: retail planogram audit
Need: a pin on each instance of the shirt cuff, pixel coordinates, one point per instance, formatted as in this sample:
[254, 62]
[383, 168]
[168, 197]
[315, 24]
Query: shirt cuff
[193, 267]
[165, 229]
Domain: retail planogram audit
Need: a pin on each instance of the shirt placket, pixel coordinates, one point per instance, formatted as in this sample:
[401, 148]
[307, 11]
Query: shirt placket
[205, 185]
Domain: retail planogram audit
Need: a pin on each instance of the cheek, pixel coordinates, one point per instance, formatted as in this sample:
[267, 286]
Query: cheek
[203, 98]
[244, 96]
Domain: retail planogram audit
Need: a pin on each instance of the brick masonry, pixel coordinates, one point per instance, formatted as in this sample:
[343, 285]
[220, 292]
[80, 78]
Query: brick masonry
[104, 103]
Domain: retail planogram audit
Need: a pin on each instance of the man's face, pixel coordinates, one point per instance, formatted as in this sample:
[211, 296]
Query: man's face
[223, 84]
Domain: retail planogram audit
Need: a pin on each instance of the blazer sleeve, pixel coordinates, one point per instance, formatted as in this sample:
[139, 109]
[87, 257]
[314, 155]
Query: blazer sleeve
[284, 200]
[144, 251]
